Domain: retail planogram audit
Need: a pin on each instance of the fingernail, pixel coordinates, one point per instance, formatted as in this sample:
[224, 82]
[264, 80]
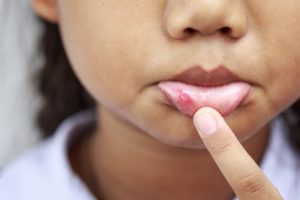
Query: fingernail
[206, 124]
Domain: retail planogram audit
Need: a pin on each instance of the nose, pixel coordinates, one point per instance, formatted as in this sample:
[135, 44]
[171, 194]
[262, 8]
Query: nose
[183, 18]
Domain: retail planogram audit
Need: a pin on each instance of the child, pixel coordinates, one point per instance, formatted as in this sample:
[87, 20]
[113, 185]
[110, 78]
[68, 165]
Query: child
[166, 79]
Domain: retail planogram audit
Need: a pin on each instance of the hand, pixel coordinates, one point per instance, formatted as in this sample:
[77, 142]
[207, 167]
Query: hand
[246, 179]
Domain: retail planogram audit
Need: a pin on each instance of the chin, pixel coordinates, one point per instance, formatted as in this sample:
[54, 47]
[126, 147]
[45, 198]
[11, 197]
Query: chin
[180, 140]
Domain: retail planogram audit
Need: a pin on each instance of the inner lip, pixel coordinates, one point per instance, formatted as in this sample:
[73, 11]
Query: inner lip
[188, 98]
[198, 76]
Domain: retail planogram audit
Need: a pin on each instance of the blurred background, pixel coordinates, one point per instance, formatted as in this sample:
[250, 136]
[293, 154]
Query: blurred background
[19, 62]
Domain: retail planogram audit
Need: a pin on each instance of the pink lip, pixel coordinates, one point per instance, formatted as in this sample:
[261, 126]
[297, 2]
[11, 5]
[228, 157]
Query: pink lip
[189, 98]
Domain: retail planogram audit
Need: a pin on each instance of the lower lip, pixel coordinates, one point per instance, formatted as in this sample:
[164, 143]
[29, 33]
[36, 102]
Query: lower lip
[189, 98]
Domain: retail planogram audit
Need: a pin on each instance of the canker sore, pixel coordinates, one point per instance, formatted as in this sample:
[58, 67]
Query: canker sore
[185, 103]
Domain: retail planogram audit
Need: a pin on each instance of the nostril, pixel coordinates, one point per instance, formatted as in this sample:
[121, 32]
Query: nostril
[189, 30]
[225, 30]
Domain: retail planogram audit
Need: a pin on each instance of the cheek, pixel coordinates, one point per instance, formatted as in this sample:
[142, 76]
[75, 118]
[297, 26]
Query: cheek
[283, 62]
[105, 50]
[282, 85]
[279, 49]
[286, 90]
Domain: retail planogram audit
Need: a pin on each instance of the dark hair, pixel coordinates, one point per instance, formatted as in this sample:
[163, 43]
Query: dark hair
[64, 95]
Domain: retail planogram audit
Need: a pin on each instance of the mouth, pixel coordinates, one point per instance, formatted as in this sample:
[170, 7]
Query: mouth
[195, 88]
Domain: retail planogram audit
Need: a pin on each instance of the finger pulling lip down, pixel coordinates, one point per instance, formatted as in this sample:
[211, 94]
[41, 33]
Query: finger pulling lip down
[189, 98]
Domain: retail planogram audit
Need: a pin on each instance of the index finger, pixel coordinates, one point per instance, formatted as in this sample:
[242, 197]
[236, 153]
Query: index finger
[239, 169]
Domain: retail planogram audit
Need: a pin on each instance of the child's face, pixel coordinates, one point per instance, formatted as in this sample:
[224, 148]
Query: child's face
[121, 50]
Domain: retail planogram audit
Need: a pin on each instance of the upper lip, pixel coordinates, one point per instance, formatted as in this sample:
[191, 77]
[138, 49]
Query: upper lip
[198, 76]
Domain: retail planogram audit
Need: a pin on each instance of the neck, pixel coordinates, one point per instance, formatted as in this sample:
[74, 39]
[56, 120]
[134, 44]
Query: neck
[129, 164]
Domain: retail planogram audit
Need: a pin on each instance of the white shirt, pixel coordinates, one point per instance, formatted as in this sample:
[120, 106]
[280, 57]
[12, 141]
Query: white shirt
[44, 173]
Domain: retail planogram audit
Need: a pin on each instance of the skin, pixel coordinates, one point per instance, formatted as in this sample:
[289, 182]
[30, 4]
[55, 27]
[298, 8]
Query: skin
[120, 50]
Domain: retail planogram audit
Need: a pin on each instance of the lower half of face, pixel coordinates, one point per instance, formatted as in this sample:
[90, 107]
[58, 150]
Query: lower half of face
[122, 50]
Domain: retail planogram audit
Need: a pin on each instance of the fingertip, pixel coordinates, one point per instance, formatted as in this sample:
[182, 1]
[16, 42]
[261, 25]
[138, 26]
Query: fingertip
[205, 110]
[205, 121]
